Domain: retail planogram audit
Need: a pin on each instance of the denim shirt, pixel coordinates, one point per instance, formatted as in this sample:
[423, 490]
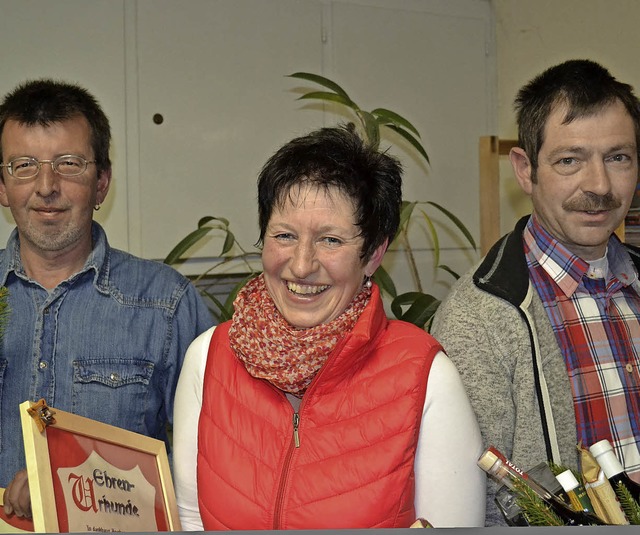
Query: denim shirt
[107, 343]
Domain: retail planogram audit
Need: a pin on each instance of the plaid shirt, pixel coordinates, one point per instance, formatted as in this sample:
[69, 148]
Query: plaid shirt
[596, 323]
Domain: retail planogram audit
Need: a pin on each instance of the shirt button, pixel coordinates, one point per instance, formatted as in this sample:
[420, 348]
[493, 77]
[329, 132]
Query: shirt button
[42, 365]
[629, 368]
[114, 376]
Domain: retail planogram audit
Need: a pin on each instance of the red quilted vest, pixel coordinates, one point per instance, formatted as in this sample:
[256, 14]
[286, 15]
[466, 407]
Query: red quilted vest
[358, 427]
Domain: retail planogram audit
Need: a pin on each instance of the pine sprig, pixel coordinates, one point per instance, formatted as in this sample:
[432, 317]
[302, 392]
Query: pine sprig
[536, 512]
[629, 505]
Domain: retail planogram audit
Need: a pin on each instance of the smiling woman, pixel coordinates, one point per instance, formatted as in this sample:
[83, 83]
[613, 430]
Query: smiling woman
[316, 411]
[312, 258]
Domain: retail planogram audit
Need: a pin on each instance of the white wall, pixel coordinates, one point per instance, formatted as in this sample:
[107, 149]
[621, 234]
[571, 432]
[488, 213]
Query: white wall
[215, 70]
[534, 35]
[81, 42]
[104, 52]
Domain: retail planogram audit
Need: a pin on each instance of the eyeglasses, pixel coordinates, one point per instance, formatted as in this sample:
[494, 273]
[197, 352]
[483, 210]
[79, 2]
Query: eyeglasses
[27, 167]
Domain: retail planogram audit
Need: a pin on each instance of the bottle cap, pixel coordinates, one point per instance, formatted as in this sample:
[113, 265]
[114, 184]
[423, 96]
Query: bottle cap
[606, 458]
[600, 447]
[487, 460]
[567, 480]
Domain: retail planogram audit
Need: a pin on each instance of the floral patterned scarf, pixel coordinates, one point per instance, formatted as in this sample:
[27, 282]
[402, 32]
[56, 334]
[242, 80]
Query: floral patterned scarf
[272, 349]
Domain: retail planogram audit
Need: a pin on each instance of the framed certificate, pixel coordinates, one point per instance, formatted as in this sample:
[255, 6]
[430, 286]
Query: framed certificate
[88, 476]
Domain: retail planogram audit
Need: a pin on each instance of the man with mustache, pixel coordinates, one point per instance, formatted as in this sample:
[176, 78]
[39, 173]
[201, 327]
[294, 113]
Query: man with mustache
[92, 330]
[545, 331]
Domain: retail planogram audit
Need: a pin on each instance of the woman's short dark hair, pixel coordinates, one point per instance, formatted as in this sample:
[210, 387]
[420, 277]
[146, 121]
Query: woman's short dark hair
[584, 86]
[337, 158]
[45, 101]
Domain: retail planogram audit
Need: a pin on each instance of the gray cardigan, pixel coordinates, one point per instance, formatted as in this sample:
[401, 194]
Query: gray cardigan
[494, 328]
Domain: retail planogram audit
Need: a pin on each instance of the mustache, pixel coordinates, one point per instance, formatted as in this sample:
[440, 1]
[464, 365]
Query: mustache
[591, 202]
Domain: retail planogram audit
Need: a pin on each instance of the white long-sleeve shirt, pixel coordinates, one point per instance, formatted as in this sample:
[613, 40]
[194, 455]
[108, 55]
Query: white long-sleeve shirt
[450, 488]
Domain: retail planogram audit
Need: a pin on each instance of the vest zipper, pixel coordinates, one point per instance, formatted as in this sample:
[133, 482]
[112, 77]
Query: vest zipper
[295, 443]
[296, 424]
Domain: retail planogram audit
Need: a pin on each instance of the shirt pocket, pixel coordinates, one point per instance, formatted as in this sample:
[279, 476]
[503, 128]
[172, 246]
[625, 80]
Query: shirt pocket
[115, 391]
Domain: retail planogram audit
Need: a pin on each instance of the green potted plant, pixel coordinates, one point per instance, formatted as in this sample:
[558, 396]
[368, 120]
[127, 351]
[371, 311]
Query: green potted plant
[415, 306]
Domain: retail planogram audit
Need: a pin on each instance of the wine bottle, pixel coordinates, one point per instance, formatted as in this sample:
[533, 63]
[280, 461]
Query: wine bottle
[575, 491]
[612, 467]
[504, 471]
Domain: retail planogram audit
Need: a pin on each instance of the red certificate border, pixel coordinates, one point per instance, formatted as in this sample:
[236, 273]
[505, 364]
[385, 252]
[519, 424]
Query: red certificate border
[69, 442]
[67, 449]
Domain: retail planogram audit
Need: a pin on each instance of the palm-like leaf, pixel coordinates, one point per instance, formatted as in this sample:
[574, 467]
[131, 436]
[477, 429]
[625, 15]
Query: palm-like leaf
[221, 314]
[371, 128]
[385, 116]
[461, 227]
[411, 139]
[321, 80]
[328, 97]
[405, 215]
[434, 238]
[451, 272]
[208, 218]
[421, 307]
[195, 236]
[384, 280]
[185, 244]
[228, 304]
[229, 240]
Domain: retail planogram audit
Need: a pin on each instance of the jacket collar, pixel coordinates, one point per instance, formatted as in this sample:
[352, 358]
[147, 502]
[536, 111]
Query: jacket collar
[504, 273]
[98, 260]
[354, 349]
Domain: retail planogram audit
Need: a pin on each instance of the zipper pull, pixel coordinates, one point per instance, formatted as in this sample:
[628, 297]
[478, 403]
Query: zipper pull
[296, 423]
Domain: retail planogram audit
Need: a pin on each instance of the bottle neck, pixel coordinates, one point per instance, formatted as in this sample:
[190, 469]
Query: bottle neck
[610, 464]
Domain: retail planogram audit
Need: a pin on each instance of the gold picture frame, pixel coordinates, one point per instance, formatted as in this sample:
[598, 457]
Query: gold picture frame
[88, 476]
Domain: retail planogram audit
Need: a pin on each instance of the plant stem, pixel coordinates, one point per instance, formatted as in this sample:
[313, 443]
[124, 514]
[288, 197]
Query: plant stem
[413, 266]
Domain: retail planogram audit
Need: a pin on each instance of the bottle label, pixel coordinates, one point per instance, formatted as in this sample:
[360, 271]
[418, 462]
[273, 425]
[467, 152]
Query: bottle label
[508, 463]
[515, 468]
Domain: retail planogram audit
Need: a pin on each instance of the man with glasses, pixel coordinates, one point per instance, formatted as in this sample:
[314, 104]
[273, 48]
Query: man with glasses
[92, 330]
